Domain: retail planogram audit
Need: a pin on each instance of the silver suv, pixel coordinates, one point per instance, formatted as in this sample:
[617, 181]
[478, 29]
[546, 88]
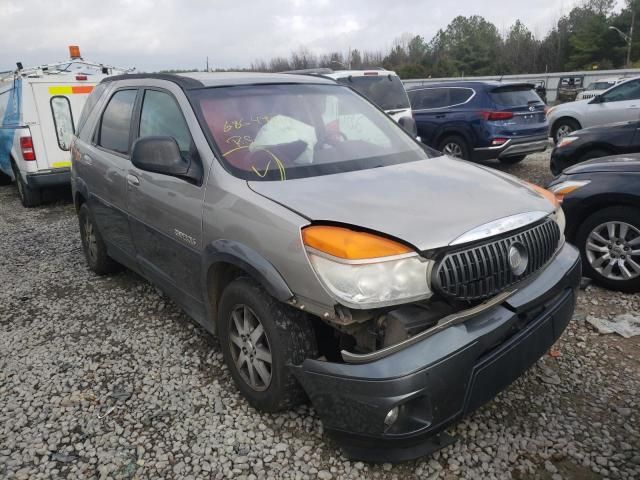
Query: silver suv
[335, 257]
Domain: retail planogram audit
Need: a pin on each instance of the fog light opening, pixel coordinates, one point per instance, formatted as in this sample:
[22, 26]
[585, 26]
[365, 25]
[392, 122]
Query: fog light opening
[392, 416]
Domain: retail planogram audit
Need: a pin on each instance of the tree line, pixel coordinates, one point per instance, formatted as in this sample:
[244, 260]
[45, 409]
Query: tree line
[584, 39]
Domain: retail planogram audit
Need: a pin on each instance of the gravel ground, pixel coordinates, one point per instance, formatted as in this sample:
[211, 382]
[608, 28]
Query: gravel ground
[104, 377]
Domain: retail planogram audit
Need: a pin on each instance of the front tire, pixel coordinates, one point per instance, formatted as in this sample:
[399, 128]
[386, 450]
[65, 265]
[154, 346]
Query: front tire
[455, 146]
[564, 127]
[609, 243]
[95, 250]
[260, 338]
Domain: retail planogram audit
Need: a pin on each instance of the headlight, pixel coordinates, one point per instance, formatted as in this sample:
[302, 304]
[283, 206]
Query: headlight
[567, 141]
[362, 270]
[562, 189]
[559, 218]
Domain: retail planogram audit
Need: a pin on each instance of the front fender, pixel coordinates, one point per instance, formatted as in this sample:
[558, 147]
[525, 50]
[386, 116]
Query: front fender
[245, 258]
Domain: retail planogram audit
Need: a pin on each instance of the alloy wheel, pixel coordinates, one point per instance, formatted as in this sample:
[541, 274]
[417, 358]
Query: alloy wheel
[563, 131]
[250, 348]
[613, 250]
[452, 149]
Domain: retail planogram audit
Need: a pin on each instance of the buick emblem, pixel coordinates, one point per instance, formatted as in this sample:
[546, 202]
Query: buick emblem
[532, 108]
[518, 258]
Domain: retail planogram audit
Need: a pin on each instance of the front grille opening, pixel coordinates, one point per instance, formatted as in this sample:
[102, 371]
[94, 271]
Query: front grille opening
[484, 270]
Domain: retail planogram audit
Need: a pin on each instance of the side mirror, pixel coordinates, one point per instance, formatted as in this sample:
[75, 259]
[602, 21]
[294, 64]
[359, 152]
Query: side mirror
[162, 155]
[597, 99]
[409, 124]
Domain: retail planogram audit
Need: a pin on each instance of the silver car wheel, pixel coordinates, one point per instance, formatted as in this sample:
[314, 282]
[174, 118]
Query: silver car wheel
[613, 250]
[563, 131]
[452, 149]
[250, 348]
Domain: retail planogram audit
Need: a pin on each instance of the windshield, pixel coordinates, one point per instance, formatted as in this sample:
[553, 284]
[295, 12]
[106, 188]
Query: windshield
[515, 96]
[600, 85]
[385, 91]
[282, 132]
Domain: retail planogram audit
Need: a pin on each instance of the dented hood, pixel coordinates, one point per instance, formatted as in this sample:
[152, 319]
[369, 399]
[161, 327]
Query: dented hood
[428, 203]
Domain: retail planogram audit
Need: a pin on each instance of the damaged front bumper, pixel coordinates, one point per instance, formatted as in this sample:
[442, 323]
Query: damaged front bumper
[440, 379]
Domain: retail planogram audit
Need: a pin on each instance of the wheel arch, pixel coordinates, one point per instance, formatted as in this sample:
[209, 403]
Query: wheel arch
[554, 125]
[226, 260]
[596, 204]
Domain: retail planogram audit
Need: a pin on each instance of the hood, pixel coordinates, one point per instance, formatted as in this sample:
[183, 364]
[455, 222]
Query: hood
[427, 203]
[629, 163]
[598, 129]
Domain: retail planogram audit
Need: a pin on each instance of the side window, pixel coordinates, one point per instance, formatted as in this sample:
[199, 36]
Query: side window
[116, 121]
[62, 121]
[161, 116]
[626, 91]
[430, 98]
[459, 95]
[93, 98]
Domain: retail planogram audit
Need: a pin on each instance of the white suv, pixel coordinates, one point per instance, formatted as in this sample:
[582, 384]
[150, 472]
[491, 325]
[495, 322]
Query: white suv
[382, 87]
[620, 103]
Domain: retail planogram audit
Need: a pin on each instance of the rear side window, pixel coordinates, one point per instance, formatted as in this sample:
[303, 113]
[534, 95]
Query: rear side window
[161, 116]
[62, 121]
[514, 96]
[116, 121]
[93, 98]
[429, 98]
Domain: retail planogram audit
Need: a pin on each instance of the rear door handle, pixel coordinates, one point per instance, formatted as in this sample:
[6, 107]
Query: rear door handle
[133, 180]
[87, 159]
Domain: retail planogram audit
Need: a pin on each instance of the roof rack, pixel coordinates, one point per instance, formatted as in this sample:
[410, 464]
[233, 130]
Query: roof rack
[310, 71]
[73, 65]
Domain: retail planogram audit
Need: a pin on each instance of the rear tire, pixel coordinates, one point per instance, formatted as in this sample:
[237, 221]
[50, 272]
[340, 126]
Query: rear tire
[512, 160]
[606, 254]
[95, 250]
[30, 197]
[4, 179]
[261, 338]
[564, 127]
[455, 146]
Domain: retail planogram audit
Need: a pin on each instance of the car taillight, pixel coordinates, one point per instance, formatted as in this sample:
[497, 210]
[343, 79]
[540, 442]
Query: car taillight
[26, 145]
[497, 115]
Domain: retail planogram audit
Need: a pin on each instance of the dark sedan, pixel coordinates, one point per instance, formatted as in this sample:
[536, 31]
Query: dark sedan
[601, 201]
[595, 142]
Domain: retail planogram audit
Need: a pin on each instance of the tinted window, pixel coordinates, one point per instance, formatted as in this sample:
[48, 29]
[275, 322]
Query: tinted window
[625, 91]
[91, 102]
[429, 98]
[514, 96]
[62, 121]
[386, 91]
[161, 116]
[459, 95]
[116, 121]
[571, 82]
[282, 132]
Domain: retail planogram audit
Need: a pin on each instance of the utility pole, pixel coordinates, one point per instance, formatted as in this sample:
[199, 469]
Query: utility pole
[633, 20]
[207, 63]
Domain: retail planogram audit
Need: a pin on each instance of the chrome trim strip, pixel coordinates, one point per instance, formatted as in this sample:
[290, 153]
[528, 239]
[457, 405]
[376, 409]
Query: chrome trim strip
[496, 147]
[446, 106]
[446, 322]
[499, 226]
[526, 147]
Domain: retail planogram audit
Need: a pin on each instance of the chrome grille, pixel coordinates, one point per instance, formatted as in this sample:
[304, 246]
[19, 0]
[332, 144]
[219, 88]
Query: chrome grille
[484, 270]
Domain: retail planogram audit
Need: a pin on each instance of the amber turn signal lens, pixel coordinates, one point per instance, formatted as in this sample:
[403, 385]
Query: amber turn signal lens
[546, 194]
[349, 244]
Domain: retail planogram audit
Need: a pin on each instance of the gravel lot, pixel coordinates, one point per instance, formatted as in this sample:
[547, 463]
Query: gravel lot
[104, 377]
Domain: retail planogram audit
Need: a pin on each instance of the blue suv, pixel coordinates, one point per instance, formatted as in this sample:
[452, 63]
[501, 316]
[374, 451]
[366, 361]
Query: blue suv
[481, 120]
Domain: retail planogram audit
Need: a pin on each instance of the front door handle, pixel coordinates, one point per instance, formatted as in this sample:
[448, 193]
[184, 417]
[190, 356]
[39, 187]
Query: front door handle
[133, 180]
[442, 115]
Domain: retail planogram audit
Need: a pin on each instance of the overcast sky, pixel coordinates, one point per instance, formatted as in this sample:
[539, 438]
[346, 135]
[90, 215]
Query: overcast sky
[161, 34]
